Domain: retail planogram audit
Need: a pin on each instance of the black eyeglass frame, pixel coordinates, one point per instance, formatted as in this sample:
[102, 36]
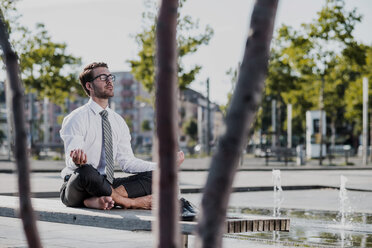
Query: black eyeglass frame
[105, 77]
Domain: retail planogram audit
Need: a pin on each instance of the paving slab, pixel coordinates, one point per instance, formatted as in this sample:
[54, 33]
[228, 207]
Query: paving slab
[250, 163]
[195, 180]
[320, 199]
[72, 236]
[129, 219]
[309, 200]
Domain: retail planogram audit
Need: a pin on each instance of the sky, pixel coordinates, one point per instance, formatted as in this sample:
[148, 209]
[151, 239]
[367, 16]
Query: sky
[104, 30]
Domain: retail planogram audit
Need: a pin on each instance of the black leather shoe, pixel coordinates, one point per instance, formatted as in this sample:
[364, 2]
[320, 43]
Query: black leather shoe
[186, 215]
[188, 205]
[188, 212]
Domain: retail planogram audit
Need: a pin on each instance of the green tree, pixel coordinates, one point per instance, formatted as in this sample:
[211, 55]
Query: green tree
[318, 61]
[332, 36]
[287, 81]
[11, 18]
[190, 128]
[353, 98]
[189, 40]
[146, 125]
[46, 68]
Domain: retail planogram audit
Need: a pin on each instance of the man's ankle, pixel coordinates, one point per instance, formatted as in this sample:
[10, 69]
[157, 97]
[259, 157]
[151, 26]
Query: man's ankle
[142, 202]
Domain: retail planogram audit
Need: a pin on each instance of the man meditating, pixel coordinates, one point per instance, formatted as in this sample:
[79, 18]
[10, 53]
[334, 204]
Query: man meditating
[94, 137]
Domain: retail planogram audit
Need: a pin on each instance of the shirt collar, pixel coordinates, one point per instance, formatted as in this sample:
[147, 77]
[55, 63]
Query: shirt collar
[96, 107]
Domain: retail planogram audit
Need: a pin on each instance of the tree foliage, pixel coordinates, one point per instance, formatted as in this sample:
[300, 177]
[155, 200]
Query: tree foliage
[46, 68]
[190, 128]
[353, 98]
[146, 125]
[189, 40]
[324, 49]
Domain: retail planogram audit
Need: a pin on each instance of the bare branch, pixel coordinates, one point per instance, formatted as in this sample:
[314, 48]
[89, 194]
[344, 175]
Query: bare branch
[26, 211]
[166, 115]
[240, 117]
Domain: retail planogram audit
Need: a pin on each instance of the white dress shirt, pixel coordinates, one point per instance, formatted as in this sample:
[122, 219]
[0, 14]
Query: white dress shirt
[82, 129]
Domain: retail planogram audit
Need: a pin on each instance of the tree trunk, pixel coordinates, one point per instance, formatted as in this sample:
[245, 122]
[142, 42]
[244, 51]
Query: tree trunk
[333, 132]
[26, 211]
[354, 139]
[239, 119]
[278, 130]
[167, 229]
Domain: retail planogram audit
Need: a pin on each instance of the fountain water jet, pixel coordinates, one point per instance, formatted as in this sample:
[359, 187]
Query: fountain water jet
[278, 198]
[344, 210]
[344, 201]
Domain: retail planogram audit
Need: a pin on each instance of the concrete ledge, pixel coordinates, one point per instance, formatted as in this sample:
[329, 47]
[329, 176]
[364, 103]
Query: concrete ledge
[10, 168]
[288, 168]
[195, 190]
[52, 210]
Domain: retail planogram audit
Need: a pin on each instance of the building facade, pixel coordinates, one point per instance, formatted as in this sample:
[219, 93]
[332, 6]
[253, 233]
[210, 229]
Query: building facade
[132, 102]
[194, 106]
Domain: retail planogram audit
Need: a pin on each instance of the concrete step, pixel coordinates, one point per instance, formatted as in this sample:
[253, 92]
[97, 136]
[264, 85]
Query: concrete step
[53, 210]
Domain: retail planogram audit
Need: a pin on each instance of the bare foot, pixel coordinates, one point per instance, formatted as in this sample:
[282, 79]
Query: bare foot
[103, 202]
[143, 202]
[120, 196]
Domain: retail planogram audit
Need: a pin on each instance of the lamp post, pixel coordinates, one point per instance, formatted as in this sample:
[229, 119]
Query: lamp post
[208, 121]
[365, 120]
[273, 123]
[289, 126]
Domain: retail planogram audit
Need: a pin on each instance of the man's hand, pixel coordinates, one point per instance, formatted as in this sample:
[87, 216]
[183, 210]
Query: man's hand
[79, 157]
[180, 158]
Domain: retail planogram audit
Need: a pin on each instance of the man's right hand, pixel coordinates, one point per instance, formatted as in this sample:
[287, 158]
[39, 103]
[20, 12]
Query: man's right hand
[79, 157]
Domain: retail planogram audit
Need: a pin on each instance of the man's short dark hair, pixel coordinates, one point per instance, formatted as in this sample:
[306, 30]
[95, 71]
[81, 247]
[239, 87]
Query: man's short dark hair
[87, 74]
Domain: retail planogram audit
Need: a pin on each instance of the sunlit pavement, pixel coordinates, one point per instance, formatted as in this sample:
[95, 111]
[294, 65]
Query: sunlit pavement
[325, 198]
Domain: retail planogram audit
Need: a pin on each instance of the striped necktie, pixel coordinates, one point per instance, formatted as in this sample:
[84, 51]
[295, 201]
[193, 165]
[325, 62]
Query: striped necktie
[107, 142]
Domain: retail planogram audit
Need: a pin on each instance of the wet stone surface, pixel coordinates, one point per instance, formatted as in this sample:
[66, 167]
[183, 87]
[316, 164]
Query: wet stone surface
[314, 229]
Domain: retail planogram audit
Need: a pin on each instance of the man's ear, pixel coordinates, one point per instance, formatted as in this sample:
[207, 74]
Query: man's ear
[88, 86]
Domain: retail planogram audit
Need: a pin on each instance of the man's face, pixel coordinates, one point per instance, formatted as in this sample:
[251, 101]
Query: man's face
[99, 88]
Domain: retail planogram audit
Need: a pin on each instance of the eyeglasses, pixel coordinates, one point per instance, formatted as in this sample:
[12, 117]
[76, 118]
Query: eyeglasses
[105, 77]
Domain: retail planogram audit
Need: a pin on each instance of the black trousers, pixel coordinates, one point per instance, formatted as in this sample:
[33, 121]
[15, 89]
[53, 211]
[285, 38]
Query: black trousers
[86, 182]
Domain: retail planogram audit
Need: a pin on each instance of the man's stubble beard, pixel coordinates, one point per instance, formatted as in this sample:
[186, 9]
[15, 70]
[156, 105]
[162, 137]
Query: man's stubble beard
[103, 94]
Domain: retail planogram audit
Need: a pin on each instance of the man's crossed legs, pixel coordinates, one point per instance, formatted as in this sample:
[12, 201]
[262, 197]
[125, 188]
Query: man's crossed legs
[86, 187]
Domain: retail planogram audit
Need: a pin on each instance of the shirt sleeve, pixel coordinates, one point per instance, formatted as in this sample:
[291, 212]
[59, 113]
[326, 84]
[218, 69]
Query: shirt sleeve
[73, 138]
[125, 157]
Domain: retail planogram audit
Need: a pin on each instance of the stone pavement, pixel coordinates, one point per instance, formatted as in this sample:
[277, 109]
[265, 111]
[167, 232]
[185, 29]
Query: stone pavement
[201, 164]
[254, 180]
[64, 235]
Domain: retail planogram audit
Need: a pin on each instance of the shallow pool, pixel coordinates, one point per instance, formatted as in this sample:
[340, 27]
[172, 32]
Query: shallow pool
[313, 229]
